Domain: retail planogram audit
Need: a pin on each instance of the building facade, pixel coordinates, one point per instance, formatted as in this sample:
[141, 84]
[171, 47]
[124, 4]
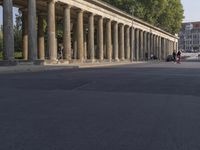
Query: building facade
[190, 37]
[93, 31]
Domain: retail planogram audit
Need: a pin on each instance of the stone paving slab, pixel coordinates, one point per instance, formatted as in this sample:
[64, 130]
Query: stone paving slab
[31, 68]
[48, 67]
[37, 68]
[130, 107]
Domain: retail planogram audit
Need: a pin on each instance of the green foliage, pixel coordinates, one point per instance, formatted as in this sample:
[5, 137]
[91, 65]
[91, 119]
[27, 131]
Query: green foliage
[166, 14]
[18, 32]
[17, 37]
[18, 55]
[60, 32]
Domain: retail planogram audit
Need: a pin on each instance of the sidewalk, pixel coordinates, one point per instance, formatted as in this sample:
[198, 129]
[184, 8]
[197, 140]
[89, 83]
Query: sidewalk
[49, 67]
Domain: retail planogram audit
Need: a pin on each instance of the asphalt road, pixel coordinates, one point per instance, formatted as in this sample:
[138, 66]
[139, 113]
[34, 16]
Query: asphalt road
[132, 107]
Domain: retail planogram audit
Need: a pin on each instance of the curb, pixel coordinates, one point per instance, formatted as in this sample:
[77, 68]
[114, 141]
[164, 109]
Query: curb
[53, 67]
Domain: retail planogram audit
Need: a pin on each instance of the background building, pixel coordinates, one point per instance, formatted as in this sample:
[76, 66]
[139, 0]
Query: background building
[190, 37]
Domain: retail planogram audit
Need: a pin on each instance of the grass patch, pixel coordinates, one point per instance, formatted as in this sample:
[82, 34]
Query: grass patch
[18, 55]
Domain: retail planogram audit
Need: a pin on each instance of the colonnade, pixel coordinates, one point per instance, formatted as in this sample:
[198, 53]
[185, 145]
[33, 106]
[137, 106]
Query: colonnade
[87, 36]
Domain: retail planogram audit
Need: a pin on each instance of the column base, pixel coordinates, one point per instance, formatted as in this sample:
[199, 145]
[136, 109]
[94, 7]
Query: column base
[51, 61]
[107, 60]
[122, 59]
[64, 61]
[91, 61]
[100, 60]
[117, 60]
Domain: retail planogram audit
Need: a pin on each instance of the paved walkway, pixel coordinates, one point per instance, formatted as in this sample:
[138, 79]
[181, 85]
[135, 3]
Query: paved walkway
[153, 106]
[36, 68]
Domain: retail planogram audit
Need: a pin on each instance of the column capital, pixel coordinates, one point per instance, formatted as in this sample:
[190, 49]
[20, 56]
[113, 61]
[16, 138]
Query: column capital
[80, 10]
[91, 14]
[120, 24]
[132, 27]
[127, 26]
[99, 17]
[115, 22]
[107, 19]
[67, 6]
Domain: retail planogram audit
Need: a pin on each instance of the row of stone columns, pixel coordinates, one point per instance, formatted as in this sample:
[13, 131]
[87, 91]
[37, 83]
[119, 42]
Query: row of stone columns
[30, 34]
[126, 43]
[8, 34]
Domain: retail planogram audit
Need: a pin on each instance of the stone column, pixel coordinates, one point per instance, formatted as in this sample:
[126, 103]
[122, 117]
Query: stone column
[137, 44]
[168, 47]
[141, 46]
[32, 31]
[116, 44]
[156, 41]
[155, 45]
[52, 47]
[41, 47]
[153, 41]
[144, 44]
[25, 34]
[109, 40]
[152, 45]
[100, 38]
[164, 48]
[149, 45]
[67, 34]
[160, 48]
[172, 47]
[91, 37]
[74, 37]
[8, 33]
[132, 44]
[85, 34]
[121, 41]
[157, 51]
[80, 36]
[127, 43]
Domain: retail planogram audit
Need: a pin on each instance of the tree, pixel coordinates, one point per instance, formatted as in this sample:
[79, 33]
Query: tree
[171, 18]
[18, 32]
[166, 14]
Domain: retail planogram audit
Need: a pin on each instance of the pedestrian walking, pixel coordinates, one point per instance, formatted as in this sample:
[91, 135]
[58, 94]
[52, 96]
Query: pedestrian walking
[178, 57]
[146, 56]
[174, 56]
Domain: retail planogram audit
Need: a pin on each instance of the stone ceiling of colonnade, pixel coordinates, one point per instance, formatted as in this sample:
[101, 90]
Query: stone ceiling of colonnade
[42, 8]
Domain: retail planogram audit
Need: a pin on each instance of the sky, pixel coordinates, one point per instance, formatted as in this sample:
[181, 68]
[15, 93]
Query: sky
[192, 11]
[191, 8]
